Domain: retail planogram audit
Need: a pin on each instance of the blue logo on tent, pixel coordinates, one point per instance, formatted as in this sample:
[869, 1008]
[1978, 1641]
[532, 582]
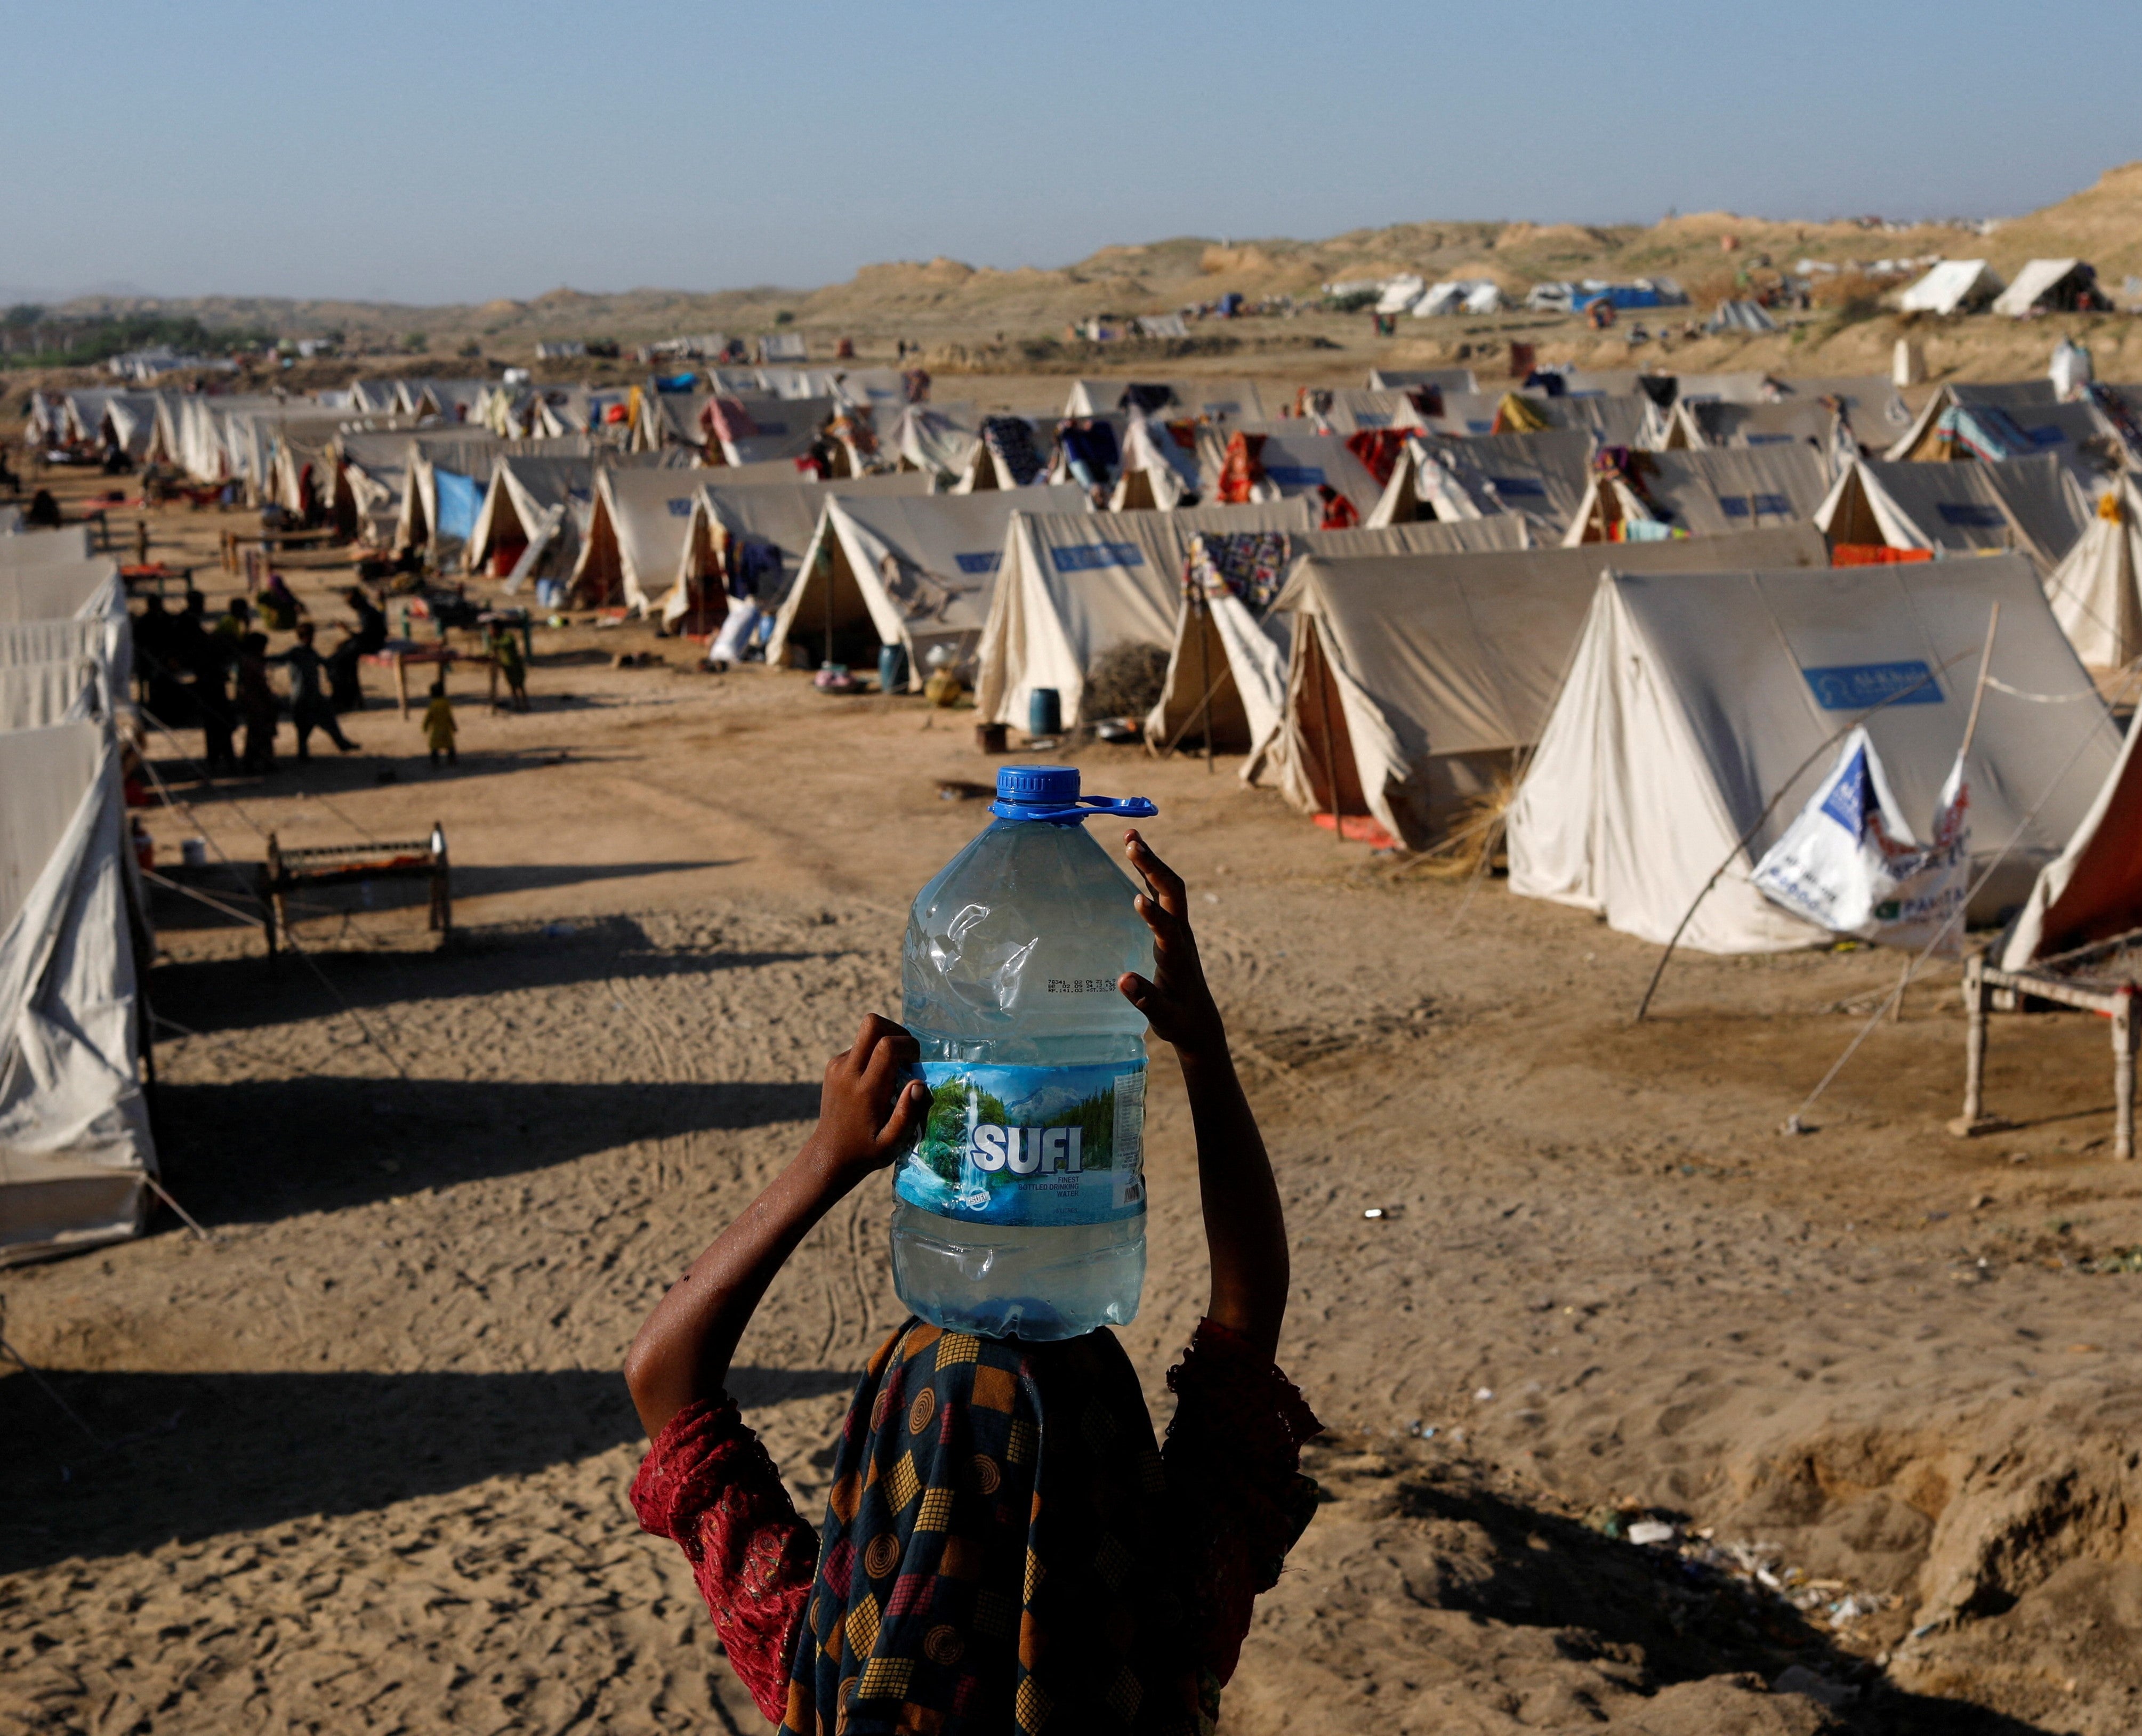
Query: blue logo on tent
[1368, 419]
[768, 428]
[2048, 436]
[680, 509]
[1221, 409]
[1736, 506]
[1295, 476]
[580, 494]
[1519, 485]
[1856, 686]
[1846, 801]
[978, 563]
[1970, 515]
[1770, 439]
[1091, 557]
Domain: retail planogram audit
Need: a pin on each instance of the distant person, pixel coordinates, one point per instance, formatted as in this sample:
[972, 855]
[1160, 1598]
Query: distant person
[257, 703]
[1003, 1548]
[234, 623]
[439, 726]
[369, 637]
[43, 512]
[309, 709]
[279, 606]
[506, 651]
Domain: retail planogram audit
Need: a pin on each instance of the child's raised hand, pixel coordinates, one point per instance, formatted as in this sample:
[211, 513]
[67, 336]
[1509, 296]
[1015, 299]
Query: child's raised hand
[1177, 1003]
[869, 1109]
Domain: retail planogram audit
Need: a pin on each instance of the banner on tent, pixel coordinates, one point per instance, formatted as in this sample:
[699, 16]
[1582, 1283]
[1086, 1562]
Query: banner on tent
[1849, 863]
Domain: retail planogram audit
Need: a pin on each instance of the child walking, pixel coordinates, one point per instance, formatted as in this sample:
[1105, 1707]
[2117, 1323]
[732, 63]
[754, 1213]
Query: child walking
[1004, 1549]
[439, 724]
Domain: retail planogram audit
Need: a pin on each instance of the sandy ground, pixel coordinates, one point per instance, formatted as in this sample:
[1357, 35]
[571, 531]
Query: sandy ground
[360, 1465]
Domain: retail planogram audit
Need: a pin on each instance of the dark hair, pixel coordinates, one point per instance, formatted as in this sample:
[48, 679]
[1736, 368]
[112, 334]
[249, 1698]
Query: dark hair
[305, 630]
[255, 643]
[439, 687]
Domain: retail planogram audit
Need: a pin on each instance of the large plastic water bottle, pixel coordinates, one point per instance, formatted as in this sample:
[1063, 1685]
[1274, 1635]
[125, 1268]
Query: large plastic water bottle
[1020, 1213]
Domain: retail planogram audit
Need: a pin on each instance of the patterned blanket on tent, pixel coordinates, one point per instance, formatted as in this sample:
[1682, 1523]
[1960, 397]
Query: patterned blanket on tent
[1982, 431]
[1246, 564]
[1011, 439]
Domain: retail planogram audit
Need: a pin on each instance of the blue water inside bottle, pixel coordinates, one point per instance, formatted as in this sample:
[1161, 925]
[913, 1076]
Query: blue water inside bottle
[1020, 1213]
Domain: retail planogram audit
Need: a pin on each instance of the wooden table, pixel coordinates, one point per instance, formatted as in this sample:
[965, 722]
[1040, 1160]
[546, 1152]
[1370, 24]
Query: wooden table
[1982, 982]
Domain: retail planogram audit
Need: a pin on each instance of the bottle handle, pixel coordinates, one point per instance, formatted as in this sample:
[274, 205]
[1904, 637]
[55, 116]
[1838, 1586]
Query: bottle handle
[1084, 808]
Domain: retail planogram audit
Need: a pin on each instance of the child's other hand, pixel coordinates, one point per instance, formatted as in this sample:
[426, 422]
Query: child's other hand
[1177, 1003]
[869, 1109]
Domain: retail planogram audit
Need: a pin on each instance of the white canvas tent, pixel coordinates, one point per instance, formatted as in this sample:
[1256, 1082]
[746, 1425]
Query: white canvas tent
[45, 548]
[634, 545]
[2019, 399]
[2032, 504]
[1073, 586]
[780, 516]
[762, 430]
[1955, 286]
[1296, 462]
[1702, 494]
[1226, 670]
[1693, 698]
[920, 571]
[2094, 591]
[65, 641]
[1407, 379]
[75, 1144]
[1739, 315]
[534, 517]
[1540, 477]
[2045, 285]
[1346, 410]
[2092, 890]
[1413, 680]
[1220, 400]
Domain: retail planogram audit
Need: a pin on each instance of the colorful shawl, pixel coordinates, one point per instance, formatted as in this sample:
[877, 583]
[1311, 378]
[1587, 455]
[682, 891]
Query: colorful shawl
[1378, 449]
[996, 1542]
[1011, 439]
[1245, 564]
[1242, 470]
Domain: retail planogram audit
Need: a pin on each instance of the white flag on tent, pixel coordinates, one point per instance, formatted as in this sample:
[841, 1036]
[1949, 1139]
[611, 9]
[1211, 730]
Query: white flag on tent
[1848, 862]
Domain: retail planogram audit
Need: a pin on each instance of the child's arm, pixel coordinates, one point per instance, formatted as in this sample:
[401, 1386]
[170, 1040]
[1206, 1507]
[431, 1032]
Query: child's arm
[866, 1117]
[1244, 1231]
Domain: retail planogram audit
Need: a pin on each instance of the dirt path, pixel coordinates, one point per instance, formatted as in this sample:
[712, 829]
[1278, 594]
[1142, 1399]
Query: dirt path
[364, 1460]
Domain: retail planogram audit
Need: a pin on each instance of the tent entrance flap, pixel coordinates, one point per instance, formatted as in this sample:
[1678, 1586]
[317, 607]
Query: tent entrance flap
[833, 617]
[1327, 757]
[1203, 707]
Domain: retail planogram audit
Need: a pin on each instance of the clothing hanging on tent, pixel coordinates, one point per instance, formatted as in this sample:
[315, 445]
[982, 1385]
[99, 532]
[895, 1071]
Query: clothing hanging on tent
[1246, 564]
[1242, 471]
[1379, 450]
[1010, 438]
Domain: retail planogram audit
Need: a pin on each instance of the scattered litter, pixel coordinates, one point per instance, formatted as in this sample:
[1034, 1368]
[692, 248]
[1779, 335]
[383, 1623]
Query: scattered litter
[2019, 1156]
[1383, 1211]
[1650, 1533]
[1422, 1430]
[1211, 898]
[559, 931]
[956, 789]
[1486, 1395]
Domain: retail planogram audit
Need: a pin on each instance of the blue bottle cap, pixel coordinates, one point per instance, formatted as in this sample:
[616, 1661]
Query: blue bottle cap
[1052, 786]
[1050, 794]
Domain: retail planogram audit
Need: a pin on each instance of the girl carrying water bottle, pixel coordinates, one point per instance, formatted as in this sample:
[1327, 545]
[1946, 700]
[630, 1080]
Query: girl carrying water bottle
[1005, 1548]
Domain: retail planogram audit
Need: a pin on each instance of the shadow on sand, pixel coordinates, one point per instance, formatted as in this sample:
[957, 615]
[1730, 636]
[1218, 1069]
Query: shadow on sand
[200, 1454]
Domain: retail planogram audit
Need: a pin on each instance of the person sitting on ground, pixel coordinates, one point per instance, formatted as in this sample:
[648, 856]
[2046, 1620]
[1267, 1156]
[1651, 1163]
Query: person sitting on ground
[1003, 1548]
[256, 703]
[309, 709]
[43, 511]
[439, 724]
[505, 650]
[279, 606]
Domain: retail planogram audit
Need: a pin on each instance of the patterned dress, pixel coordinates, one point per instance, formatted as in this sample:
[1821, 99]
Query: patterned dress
[1005, 1546]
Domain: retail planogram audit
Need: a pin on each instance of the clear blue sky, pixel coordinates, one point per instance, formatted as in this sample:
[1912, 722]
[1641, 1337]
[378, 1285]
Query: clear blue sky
[457, 151]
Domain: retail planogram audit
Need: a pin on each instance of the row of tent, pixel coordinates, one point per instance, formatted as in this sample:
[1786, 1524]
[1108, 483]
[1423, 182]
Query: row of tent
[77, 1156]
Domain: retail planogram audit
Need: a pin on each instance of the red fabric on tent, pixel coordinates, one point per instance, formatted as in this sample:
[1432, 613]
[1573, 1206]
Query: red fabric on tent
[1851, 554]
[1378, 449]
[1340, 513]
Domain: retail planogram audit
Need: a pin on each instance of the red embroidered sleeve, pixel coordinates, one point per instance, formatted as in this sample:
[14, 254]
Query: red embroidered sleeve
[1234, 1469]
[710, 1485]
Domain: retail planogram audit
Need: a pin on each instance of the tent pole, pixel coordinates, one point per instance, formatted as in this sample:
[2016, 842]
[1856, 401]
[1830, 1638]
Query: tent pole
[1205, 676]
[1330, 759]
[1978, 693]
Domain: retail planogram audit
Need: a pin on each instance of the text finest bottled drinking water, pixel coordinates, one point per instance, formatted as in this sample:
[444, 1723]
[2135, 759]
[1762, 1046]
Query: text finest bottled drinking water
[1020, 1213]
